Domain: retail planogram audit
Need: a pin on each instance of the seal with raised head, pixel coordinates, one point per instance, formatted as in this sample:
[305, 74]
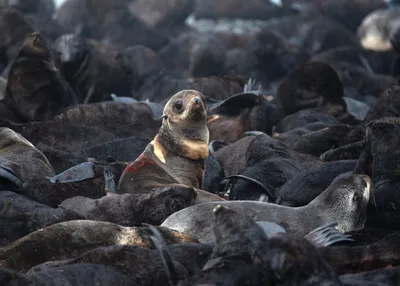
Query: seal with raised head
[344, 202]
[176, 156]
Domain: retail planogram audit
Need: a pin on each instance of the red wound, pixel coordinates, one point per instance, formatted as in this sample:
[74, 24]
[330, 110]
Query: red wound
[139, 163]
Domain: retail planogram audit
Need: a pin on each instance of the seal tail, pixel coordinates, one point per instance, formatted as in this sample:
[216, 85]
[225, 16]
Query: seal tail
[162, 248]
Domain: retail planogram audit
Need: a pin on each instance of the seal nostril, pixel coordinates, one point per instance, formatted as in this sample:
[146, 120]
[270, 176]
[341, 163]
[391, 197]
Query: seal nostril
[196, 100]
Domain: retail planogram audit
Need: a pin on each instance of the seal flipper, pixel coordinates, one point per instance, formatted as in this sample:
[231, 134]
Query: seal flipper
[75, 174]
[327, 235]
[162, 248]
[123, 99]
[252, 133]
[11, 172]
[156, 108]
[234, 104]
[110, 185]
[252, 86]
[215, 145]
[271, 197]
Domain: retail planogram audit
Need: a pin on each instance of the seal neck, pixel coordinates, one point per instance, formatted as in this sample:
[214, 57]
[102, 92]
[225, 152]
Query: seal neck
[194, 147]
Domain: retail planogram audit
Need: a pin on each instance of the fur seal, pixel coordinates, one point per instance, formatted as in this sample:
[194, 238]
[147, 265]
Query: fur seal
[93, 70]
[35, 90]
[176, 156]
[313, 85]
[21, 162]
[344, 202]
[123, 120]
[243, 252]
[139, 264]
[380, 160]
[70, 239]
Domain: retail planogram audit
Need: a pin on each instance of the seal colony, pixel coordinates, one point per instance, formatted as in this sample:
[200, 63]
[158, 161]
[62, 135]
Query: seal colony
[191, 142]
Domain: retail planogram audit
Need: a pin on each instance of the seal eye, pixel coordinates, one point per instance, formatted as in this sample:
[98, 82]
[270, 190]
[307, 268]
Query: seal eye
[178, 105]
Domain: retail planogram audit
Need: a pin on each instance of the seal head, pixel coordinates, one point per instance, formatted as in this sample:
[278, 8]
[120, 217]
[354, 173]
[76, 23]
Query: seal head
[184, 129]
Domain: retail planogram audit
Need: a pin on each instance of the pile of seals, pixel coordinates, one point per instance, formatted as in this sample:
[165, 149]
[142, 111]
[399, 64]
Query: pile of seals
[199, 142]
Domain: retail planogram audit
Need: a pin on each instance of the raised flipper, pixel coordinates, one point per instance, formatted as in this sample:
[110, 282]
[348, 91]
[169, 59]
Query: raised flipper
[327, 235]
[155, 107]
[232, 179]
[233, 105]
[109, 180]
[91, 169]
[123, 99]
[75, 174]
[252, 86]
[11, 172]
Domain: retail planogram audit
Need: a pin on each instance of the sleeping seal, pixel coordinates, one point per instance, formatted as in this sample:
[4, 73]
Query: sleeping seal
[344, 202]
[176, 156]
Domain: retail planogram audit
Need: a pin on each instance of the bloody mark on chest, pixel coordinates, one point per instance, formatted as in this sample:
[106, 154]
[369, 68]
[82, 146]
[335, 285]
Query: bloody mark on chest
[139, 163]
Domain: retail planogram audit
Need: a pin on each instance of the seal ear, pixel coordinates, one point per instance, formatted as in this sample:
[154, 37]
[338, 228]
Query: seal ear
[236, 103]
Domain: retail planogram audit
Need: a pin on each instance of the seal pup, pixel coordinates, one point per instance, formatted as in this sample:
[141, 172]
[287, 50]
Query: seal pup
[176, 156]
[344, 202]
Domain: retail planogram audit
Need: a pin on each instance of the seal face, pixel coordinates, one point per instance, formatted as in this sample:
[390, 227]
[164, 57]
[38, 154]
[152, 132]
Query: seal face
[175, 158]
[184, 129]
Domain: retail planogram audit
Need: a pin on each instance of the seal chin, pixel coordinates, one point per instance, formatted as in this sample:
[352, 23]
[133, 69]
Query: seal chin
[196, 111]
[197, 115]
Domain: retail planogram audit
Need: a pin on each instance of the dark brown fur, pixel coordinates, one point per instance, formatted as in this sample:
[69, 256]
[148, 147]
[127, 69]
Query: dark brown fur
[53, 194]
[232, 158]
[132, 209]
[93, 70]
[18, 154]
[315, 84]
[14, 30]
[121, 119]
[65, 137]
[21, 216]
[35, 89]
[375, 255]
[140, 264]
[71, 239]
